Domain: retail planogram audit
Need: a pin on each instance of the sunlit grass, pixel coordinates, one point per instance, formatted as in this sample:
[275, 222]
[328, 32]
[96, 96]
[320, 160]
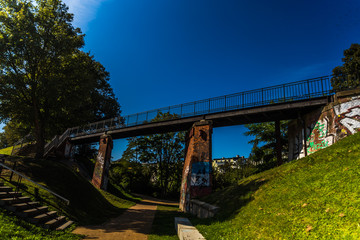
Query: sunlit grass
[6, 151]
[317, 197]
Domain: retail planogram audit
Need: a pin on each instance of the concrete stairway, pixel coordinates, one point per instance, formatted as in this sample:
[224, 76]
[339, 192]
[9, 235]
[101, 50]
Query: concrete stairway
[30, 211]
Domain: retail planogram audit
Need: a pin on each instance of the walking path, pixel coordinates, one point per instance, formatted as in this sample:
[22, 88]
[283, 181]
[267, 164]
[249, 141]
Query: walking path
[134, 224]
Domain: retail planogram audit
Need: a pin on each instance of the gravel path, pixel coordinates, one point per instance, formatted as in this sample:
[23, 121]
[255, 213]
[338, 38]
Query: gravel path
[134, 224]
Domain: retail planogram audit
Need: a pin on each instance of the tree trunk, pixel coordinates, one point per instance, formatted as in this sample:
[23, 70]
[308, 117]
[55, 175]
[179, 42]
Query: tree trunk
[39, 132]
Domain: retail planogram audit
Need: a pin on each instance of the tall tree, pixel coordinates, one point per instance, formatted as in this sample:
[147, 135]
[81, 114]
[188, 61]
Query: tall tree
[347, 76]
[46, 81]
[166, 151]
[264, 143]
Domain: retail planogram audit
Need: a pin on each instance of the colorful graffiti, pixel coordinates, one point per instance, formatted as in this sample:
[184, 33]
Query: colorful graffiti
[348, 115]
[319, 137]
[325, 127]
[200, 174]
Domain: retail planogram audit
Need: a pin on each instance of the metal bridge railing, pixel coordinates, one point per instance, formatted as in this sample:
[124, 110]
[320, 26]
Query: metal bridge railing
[295, 91]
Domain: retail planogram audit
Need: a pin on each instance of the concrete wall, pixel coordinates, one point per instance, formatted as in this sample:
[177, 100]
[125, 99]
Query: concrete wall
[202, 209]
[325, 126]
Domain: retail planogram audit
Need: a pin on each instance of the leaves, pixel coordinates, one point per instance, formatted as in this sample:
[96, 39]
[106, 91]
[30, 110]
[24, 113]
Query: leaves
[46, 82]
[347, 76]
[264, 142]
[165, 151]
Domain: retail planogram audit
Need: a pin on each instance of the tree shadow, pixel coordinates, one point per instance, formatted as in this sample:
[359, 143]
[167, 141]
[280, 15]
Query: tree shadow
[230, 201]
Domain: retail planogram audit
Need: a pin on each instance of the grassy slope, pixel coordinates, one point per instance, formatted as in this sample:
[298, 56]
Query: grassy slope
[88, 205]
[13, 228]
[6, 151]
[317, 197]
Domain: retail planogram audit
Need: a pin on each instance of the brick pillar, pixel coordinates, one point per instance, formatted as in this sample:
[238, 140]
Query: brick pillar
[101, 171]
[197, 173]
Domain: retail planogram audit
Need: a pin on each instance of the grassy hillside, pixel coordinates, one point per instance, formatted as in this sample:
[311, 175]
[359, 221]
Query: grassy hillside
[317, 197]
[6, 151]
[88, 205]
[13, 228]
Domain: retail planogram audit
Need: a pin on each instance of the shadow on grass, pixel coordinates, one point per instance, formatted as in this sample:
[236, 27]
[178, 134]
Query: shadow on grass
[230, 200]
[87, 204]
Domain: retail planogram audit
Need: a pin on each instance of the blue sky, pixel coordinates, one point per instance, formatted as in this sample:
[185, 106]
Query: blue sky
[162, 52]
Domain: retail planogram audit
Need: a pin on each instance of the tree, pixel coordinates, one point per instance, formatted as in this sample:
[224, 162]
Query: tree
[347, 76]
[165, 151]
[46, 82]
[3, 142]
[264, 144]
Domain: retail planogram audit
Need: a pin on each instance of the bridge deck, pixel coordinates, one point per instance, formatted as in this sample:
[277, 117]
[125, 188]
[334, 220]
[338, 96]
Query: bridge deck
[267, 113]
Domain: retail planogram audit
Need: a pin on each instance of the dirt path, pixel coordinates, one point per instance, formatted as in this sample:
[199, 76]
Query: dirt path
[134, 224]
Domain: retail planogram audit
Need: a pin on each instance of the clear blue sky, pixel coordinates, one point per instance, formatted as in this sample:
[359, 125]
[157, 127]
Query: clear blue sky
[163, 52]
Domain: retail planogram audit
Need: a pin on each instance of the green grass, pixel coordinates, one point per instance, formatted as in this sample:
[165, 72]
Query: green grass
[88, 205]
[163, 227]
[13, 228]
[317, 197]
[6, 151]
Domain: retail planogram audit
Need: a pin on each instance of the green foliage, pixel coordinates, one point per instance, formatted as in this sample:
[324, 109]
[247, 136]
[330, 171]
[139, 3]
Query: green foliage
[15, 131]
[316, 197]
[133, 176]
[161, 157]
[264, 143]
[231, 173]
[347, 76]
[3, 141]
[47, 83]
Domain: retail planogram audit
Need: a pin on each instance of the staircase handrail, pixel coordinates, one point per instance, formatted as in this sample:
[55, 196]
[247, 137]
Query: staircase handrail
[56, 141]
[20, 142]
[37, 184]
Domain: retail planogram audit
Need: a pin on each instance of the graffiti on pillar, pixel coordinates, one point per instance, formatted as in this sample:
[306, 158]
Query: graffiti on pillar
[348, 116]
[319, 137]
[299, 146]
[332, 125]
[184, 194]
[200, 174]
[98, 171]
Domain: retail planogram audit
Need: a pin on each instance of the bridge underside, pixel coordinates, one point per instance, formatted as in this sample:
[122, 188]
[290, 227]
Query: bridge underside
[268, 113]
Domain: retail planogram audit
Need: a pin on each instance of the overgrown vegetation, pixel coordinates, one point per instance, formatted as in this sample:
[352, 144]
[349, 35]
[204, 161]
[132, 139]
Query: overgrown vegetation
[314, 197]
[153, 164]
[347, 76]
[88, 205]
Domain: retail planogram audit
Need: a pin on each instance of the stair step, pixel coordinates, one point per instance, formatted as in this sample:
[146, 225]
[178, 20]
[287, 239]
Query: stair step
[5, 189]
[53, 223]
[33, 212]
[9, 194]
[64, 226]
[22, 206]
[13, 200]
[43, 217]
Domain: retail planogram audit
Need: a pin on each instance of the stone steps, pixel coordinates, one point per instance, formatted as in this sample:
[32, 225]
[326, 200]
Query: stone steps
[30, 211]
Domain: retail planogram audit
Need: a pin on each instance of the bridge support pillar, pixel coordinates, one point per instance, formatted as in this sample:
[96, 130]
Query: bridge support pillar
[101, 171]
[278, 146]
[197, 173]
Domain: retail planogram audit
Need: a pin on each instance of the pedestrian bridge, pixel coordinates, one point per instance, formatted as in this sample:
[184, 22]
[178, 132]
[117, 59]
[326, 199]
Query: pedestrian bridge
[280, 102]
